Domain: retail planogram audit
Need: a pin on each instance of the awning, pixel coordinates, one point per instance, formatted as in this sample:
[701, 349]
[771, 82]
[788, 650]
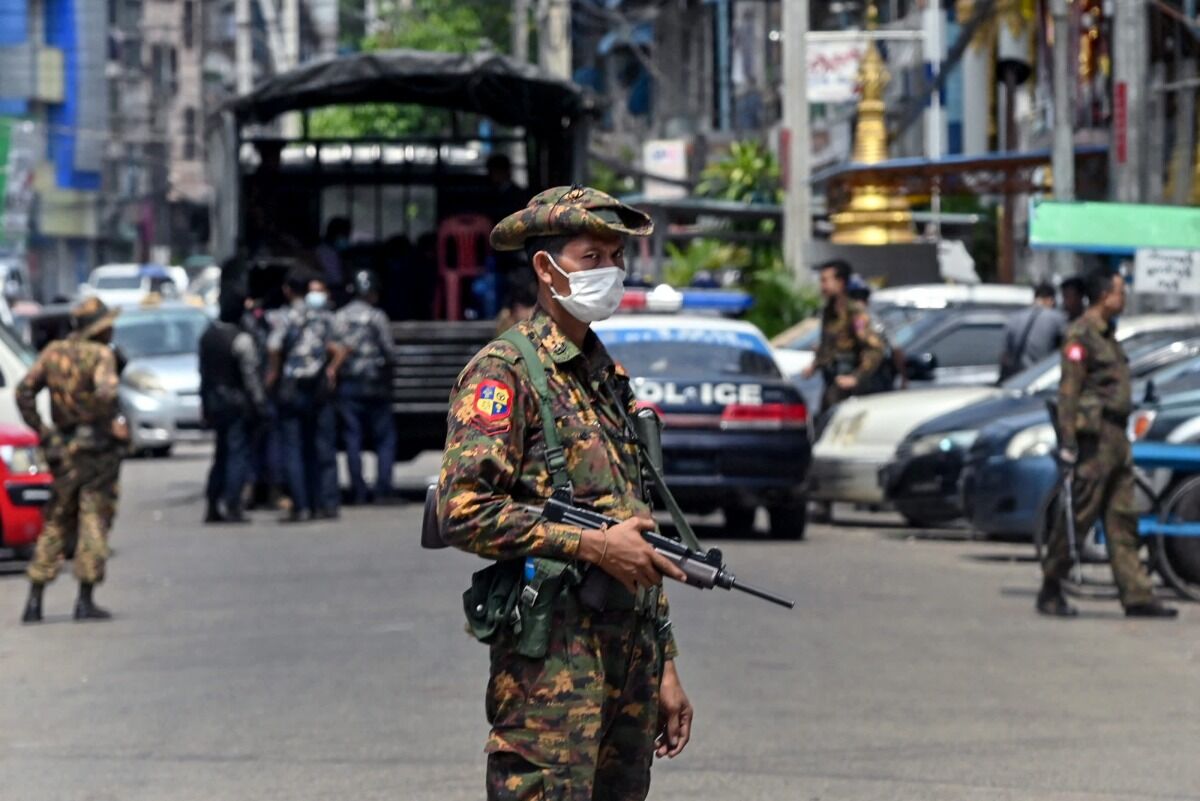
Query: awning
[508, 91]
[992, 174]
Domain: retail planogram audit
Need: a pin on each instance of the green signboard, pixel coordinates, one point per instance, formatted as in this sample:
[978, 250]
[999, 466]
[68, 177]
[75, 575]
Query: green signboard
[1116, 228]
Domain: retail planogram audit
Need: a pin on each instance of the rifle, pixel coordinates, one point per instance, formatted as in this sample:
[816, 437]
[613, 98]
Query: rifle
[704, 569]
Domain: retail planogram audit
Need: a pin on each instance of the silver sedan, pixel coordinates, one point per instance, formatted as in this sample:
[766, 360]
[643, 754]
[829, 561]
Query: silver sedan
[160, 386]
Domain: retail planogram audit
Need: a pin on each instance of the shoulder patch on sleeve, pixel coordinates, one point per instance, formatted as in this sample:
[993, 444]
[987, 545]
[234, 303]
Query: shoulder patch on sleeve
[1075, 352]
[860, 323]
[493, 401]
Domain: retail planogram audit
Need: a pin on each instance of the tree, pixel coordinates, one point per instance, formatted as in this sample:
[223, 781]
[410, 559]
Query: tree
[461, 26]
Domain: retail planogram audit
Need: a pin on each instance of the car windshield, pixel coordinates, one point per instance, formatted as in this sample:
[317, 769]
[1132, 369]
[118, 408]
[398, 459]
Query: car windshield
[159, 333]
[1149, 355]
[10, 340]
[909, 331]
[118, 282]
[690, 353]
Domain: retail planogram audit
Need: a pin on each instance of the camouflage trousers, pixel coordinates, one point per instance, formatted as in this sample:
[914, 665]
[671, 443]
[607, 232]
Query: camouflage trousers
[1103, 489]
[79, 514]
[580, 723]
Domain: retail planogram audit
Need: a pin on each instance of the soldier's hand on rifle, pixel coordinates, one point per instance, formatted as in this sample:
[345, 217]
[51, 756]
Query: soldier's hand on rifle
[846, 382]
[1068, 456]
[621, 552]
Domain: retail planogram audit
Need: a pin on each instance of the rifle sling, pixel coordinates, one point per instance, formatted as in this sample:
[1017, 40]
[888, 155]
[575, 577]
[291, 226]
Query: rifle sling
[556, 461]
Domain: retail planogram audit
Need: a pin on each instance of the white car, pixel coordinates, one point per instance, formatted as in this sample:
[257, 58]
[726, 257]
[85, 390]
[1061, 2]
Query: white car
[120, 285]
[862, 435]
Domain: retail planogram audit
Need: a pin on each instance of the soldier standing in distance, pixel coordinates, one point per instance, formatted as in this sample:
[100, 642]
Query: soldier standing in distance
[233, 399]
[850, 350]
[1094, 402]
[88, 435]
[301, 351]
[364, 389]
[580, 722]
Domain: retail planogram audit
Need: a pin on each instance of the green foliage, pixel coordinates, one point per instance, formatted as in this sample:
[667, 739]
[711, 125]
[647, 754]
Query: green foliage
[702, 255]
[463, 26]
[606, 179]
[778, 302]
[748, 174]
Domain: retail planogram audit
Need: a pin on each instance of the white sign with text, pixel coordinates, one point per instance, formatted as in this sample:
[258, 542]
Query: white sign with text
[1167, 272]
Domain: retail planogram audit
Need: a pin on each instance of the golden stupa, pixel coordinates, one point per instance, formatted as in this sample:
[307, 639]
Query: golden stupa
[875, 214]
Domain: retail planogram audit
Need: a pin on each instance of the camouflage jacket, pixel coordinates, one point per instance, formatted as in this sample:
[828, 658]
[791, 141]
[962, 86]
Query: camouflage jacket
[850, 344]
[494, 478]
[302, 335]
[81, 375]
[365, 333]
[1095, 382]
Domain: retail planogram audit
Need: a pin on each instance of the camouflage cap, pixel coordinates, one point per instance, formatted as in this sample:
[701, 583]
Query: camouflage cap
[90, 316]
[567, 210]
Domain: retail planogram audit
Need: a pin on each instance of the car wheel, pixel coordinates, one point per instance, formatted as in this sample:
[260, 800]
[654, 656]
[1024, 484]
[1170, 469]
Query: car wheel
[788, 521]
[1177, 559]
[159, 453]
[739, 519]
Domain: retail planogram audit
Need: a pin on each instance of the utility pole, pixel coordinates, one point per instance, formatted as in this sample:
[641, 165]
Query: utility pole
[795, 144]
[244, 46]
[554, 37]
[520, 30]
[1063, 156]
[1130, 80]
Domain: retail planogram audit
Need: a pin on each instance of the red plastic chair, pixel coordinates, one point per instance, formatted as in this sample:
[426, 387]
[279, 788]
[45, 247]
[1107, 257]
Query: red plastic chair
[462, 245]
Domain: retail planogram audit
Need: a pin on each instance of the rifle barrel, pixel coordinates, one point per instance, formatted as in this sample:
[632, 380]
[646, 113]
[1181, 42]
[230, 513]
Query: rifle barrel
[764, 594]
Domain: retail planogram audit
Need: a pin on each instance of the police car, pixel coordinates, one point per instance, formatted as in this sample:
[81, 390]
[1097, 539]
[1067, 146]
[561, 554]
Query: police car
[736, 432]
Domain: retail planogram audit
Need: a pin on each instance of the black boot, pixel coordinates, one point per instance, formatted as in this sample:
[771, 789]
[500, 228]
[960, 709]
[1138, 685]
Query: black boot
[213, 513]
[33, 607]
[1051, 601]
[85, 609]
[234, 514]
[1152, 609]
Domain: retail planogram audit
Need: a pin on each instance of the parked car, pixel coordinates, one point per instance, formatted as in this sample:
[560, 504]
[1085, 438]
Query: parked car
[922, 481]
[26, 479]
[1009, 473]
[736, 432]
[863, 433]
[129, 284]
[160, 387]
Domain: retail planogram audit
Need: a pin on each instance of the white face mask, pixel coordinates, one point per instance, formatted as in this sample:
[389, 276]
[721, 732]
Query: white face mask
[316, 300]
[595, 294]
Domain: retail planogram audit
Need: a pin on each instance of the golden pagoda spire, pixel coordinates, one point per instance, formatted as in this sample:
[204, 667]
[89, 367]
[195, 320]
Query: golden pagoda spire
[875, 215]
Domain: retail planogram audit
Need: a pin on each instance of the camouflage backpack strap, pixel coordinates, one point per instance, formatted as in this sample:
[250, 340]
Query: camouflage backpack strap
[556, 460]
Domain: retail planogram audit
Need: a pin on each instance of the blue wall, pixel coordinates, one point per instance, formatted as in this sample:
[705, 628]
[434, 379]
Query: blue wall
[65, 119]
[14, 30]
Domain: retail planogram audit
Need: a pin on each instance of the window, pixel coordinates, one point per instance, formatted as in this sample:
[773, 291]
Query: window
[969, 345]
[189, 134]
[189, 23]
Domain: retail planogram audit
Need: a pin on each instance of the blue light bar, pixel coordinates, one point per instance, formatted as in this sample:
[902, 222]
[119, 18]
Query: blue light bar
[726, 301]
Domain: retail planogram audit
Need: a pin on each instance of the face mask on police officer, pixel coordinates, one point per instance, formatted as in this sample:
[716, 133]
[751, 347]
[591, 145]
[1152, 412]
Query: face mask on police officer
[316, 300]
[595, 294]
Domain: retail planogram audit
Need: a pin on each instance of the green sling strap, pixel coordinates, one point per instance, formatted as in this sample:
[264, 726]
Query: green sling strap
[556, 458]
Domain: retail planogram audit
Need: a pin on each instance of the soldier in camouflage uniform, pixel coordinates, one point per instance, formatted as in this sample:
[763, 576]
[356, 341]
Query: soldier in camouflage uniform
[850, 350]
[364, 369]
[301, 350]
[585, 720]
[1094, 402]
[86, 443]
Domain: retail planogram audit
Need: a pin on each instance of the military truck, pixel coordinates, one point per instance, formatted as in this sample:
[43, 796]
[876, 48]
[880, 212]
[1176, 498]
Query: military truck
[275, 194]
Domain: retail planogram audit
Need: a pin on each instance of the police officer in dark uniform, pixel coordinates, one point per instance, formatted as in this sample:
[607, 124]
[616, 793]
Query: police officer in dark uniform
[1094, 402]
[232, 398]
[364, 368]
[301, 350]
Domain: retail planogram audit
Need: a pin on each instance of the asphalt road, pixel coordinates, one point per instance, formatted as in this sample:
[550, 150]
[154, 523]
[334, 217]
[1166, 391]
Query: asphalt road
[328, 661]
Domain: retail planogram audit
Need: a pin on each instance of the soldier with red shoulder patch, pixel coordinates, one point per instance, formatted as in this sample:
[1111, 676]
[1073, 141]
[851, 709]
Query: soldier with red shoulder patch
[1094, 403]
[850, 350]
[585, 718]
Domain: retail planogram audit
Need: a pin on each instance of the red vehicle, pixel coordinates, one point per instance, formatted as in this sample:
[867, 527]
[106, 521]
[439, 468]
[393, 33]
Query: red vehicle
[26, 480]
